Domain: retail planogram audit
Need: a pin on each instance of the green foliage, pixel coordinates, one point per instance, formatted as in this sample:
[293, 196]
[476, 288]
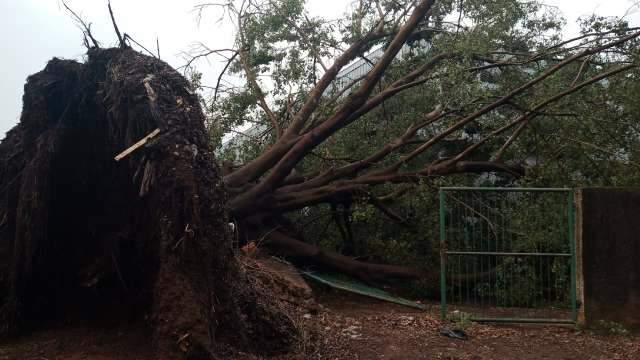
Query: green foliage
[461, 319]
[588, 138]
[604, 327]
[611, 327]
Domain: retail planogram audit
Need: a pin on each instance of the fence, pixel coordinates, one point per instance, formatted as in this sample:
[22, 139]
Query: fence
[508, 254]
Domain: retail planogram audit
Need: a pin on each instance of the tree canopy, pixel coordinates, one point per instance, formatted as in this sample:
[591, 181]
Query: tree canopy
[458, 92]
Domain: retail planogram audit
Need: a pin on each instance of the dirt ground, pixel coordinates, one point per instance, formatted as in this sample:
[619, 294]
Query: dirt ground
[80, 343]
[354, 328]
[366, 329]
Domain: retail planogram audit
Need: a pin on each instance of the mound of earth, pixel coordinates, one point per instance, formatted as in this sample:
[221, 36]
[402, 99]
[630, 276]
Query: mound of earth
[142, 238]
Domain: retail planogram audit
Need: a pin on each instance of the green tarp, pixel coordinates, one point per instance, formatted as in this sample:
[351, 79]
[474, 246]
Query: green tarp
[359, 288]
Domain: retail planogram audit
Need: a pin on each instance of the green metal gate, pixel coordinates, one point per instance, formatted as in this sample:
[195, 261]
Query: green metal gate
[507, 254]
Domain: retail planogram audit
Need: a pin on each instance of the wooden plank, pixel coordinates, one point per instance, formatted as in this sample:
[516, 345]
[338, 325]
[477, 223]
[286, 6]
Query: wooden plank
[135, 146]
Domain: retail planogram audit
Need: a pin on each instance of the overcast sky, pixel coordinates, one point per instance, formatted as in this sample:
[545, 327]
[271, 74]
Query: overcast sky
[34, 31]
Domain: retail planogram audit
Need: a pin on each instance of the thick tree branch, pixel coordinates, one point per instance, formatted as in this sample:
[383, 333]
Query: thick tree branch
[266, 160]
[356, 166]
[367, 272]
[324, 130]
[287, 201]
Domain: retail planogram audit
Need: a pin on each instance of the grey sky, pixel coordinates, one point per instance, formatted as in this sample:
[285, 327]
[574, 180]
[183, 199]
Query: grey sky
[34, 31]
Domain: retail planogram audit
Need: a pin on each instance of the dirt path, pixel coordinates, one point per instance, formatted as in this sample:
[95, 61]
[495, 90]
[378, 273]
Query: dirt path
[359, 328]
[351, 328]
[80, 343]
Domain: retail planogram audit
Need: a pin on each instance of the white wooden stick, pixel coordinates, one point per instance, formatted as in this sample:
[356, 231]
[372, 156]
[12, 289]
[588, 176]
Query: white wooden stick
[133, 147]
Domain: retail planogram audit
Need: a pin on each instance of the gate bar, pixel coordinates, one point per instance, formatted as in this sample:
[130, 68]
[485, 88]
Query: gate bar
[522, 320]
[572, 245]
[520, 189]
[507, 253]
[443, 259]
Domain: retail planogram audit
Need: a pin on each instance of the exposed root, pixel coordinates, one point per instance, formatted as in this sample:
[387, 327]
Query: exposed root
[154, 220]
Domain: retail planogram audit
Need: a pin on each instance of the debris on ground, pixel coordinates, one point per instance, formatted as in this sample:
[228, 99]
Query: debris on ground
[355, 327]
[454, 334]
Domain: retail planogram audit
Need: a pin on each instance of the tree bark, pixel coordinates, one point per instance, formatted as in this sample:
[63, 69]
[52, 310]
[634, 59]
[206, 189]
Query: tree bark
[367, 272]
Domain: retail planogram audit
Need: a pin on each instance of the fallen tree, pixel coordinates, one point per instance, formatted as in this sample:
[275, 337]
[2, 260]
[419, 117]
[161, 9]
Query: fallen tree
[277, 39]
[153, 224]
[147, 235]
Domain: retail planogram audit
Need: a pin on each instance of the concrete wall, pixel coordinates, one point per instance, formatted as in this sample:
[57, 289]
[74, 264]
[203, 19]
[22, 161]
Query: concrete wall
[608, 249]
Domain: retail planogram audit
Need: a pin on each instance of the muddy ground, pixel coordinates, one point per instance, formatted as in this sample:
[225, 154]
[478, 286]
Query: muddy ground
[350, 327]
[388, 331]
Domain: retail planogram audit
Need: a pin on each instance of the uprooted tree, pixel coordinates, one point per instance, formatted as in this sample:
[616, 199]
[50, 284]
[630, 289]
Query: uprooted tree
[84, 234]
[157, 219]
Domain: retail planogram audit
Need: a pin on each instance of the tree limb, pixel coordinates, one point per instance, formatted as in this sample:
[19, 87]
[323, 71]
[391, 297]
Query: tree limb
[85, 28]
[506, 98]
[115, 27]
[311, 139]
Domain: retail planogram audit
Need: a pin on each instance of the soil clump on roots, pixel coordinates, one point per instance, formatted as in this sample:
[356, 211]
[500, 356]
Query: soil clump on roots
[85, 238]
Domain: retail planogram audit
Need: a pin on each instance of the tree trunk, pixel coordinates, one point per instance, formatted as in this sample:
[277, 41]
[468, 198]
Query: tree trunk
[147, 233]
[367, 272]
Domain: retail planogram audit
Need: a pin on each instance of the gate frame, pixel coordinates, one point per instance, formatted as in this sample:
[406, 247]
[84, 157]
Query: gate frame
[572, 254]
